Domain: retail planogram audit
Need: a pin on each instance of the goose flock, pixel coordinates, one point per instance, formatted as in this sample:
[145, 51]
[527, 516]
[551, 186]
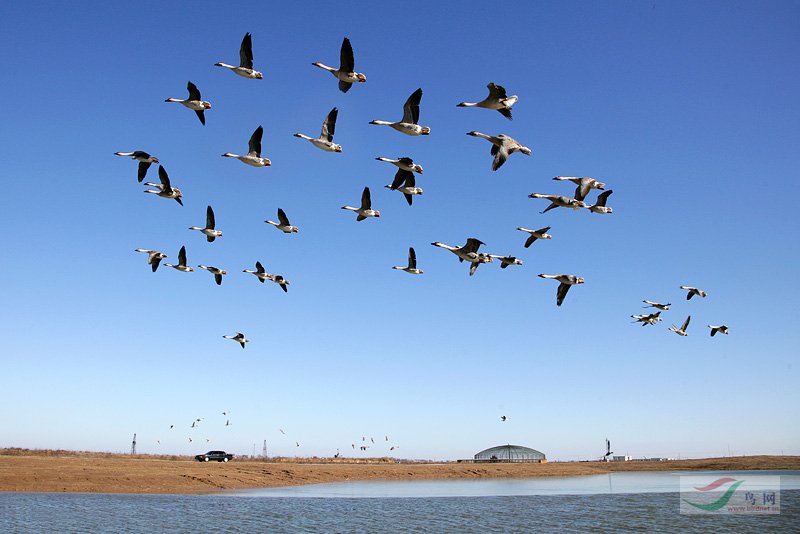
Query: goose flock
[502, 146]
[655, 317]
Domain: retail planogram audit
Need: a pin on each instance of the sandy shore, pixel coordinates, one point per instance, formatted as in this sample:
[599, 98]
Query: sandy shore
[108, 473]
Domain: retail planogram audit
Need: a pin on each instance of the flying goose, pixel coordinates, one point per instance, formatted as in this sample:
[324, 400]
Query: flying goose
[283, 225]
[253, 157]
[505, 261]
[682, 330]
[154, 257]
[239, 337]
[405, 182]
[693, 291]
[468, 252]
[412, 263]
[194, 102]
[409, 123]
[366, 207]
[557, 201]
[325, 139]
[144, 160]
[541, 233]
[164, 189]
[658, 305]
[584, 185]
[502, 147]
[181, 262]
[600, 204]
[407, 164]
[209, 231]
[346, 73]
[567, 281]
[218, 273]
[722, 329]
[262, 275]
[503, 418]
[245, 68]
[497, 99]
[651, 318]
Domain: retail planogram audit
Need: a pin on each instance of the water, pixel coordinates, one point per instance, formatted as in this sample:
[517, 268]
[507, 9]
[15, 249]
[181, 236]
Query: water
[648, 511]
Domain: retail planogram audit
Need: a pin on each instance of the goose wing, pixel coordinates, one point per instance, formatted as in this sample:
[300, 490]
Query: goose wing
[500, 156]
[602, 197]
[686, 323]
[411, 107]
[210, 222]
[194, 92]
[164, 177]
[201, 114]
[329, 126]
[182, 256]
[472, 245]
[496, 92]
[347, 62]
[581, 191]
[401, 177]
[260, 268]
[412, 258]
[255, 142]
[366, 201]
[505, 112]
[530, 240]
[246, 52]
[143, 166]
[284, 220]
[562, 292]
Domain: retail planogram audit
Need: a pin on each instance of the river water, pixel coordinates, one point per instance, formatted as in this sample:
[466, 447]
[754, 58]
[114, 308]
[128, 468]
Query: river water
[622, 502]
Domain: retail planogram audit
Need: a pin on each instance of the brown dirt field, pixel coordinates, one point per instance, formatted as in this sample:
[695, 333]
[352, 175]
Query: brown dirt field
[63, 471]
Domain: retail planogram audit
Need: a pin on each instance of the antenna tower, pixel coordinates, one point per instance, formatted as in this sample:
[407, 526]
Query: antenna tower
[264, 450]
[133, 445]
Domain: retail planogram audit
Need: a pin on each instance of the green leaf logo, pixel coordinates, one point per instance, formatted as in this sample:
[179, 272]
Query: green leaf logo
[719, 503]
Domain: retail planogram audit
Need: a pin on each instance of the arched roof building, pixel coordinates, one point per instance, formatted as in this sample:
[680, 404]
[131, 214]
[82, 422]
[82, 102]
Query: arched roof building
[510, 453]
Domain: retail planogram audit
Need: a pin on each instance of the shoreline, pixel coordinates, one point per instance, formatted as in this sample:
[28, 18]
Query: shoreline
[49, 471]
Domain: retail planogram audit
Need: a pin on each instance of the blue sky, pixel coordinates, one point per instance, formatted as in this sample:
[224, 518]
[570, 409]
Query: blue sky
[687, 111]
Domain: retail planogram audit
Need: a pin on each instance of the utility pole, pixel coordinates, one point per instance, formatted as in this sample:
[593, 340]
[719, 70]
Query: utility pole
[264, 450]
[133, 445]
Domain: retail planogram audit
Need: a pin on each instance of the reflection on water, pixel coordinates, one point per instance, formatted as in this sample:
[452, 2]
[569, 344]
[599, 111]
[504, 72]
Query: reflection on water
[610, 483]
[599, 512]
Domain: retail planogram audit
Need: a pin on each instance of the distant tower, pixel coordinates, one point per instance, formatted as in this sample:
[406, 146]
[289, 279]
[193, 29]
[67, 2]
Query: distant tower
[133, 445]
[264, 450]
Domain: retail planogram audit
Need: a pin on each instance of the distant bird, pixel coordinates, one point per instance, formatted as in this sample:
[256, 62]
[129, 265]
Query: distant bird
[253, 156]
[722, 329]
[194, 102]
[171, 427]
[372, 440]
[366, 207]
[409, 123]
[325, 139]
[584, 185]
[283, 225]
[406, 164]
[412, 263]
[224, 413]
[193, 424]
[658, 305]
[154, 257]
[228, 422]
[502, 147]
[262, 275]
[503, 418]
[651, 319]
[239, 338]
[557, 201]
[682, 330]
[600, 204]
[693, 291]
[217, 272]
[297, 443]
[497, 99]
[164, 189]
[181, 262]
[468, 252]
[280, 280]
[346, 73]
[190, 440]
[245, 68]
[209, 231]
[395, 447]
[387, 438]
[541, 233]
[282, 432]
[405, 182]
[144, 159]
[567, 281]
[505, 261]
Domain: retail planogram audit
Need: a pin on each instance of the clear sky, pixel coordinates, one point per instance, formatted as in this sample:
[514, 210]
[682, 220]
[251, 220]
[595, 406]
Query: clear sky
[688, 111]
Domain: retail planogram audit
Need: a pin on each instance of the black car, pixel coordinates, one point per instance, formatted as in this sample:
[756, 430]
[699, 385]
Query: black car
[217, 456]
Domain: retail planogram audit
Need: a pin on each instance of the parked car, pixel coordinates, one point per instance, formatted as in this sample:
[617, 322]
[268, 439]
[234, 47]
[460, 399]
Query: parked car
[217, 456]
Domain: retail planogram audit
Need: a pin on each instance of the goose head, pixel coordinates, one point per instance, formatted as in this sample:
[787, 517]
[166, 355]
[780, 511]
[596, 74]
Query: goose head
[525, 150]
[206, 105]
[599, 185]
[337, 148]
[258, 76]
[361, 77]
[580, 280]
[377, 213]
[425, 131]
